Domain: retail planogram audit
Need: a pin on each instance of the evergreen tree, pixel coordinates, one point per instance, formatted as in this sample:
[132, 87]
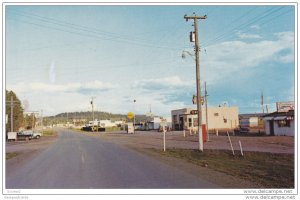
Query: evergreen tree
[29, 121]
[18, 118]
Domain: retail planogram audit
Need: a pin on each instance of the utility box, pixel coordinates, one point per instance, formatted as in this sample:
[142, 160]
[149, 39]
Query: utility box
[192, 37]
[130, 128]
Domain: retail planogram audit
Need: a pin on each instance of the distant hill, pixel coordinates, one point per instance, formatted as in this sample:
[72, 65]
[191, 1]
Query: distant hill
[80, 117]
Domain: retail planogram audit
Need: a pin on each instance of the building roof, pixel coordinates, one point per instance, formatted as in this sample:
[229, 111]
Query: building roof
[251, 115]
[280, 115]
[277, 114]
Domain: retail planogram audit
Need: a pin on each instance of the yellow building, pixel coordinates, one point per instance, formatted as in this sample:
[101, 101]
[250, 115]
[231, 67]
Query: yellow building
[219, 118]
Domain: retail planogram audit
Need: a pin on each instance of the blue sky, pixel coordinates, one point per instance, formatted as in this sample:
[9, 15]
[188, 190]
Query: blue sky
[58, 57]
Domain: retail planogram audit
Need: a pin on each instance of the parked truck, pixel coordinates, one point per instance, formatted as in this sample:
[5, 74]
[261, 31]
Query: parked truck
[23, 135]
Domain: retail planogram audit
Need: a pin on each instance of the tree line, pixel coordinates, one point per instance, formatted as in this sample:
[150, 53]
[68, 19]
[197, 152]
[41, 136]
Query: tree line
[15, 113]
[22, 120]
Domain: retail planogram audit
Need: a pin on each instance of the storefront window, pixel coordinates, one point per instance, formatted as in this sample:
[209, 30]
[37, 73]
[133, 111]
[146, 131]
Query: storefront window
[195, 122]
[284, 123]
[190, 122]
[175, 119]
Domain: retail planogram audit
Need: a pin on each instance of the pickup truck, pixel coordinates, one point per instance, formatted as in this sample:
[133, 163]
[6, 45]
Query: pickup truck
[28, 135]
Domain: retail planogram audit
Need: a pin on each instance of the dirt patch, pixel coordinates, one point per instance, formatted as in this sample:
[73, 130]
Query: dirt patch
[151, 139]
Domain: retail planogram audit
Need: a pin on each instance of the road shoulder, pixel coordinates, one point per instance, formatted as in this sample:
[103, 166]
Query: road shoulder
[26, 150]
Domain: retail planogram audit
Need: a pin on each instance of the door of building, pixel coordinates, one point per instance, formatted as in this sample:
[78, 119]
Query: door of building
[180, 123]
[271, 126]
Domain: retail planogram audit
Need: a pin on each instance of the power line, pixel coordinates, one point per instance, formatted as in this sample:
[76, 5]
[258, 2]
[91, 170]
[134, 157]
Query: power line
[226, 27]
[227, 34]
[98, 37]
[106, 34]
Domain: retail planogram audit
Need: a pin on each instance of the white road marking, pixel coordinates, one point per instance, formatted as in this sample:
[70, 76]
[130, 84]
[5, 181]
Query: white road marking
[82, 158]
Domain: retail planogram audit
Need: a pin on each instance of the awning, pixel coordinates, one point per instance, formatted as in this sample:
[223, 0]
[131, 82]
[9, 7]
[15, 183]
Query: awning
[268, 118]
[280, 118]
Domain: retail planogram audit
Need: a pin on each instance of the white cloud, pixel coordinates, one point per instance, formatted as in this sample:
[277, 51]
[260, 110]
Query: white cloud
[255, 27]
[229, 58]
[69, 87]
[248, 36]
[162, 83]
[285, 58]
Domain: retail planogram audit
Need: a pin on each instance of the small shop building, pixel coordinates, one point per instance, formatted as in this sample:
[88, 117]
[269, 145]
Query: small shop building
[280, 123]
[219, 118]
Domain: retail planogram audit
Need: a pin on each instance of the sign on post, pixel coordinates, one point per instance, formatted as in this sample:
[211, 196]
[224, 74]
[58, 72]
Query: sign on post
[285, 106]
[130, 115]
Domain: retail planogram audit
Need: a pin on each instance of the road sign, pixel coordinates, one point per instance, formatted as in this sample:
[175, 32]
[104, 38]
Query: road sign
[130, 115]
[194, 100]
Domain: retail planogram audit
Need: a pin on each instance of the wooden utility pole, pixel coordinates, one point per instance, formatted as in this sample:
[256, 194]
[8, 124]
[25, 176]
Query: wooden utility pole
[33, 117]
[195, 34]
[12, 104]
[92, 102]
[206, 113]
[262, 102]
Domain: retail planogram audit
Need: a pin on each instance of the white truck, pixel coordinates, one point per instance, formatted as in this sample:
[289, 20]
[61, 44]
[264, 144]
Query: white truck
[23, 135]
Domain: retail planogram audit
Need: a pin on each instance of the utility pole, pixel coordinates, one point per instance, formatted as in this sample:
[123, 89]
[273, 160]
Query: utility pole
[42, 119]
[92, 102]
[206, 95]
[195, 18]
[33, 117]
[262, 102]
[11, 113]
[134, 115]
[12, 104]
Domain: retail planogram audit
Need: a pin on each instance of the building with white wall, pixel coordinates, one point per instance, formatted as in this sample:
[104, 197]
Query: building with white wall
[156, 122]
[252, 123]
[280, 123]
[219, 118]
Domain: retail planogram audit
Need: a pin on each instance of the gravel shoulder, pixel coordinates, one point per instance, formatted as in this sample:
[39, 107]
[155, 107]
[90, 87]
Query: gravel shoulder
[153, 139]
[145, 141]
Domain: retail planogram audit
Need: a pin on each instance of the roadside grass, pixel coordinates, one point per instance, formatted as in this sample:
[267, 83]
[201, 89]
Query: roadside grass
[49, 133]
[11, 155]
[268, 170]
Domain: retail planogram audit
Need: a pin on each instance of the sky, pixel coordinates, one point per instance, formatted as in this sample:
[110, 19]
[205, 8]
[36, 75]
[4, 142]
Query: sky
[57, 57]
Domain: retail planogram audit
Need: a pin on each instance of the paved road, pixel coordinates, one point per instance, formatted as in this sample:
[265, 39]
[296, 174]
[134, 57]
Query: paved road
[78, 161]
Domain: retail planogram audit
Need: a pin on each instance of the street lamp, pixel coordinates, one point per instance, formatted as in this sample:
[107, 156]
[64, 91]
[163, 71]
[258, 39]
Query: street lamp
[187, 52]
